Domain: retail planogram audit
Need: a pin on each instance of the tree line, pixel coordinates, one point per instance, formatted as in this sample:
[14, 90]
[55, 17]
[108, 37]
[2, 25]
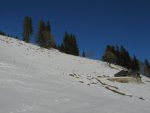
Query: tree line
[44, 38]
[69, 45]
[2, 33]
[5, 34]
[120, 56]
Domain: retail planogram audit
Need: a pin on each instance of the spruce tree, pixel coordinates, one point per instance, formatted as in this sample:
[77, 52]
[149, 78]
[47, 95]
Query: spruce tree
[44, 36]
[40, 35]
[120, 56]
[135, 64]
[69, 45]
[27, 28]
[2, 33]
[147, 63]
[117, 53]
[147, 68]
[48, 26]
[75, 46]
[109, 55]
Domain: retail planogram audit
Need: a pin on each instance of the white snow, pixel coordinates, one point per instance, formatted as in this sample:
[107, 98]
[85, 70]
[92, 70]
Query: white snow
[36, 80]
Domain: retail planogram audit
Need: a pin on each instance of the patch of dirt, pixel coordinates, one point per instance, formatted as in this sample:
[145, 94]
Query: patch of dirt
[81, 81]
[117, 91]
[141, 98]
[125, 79]
[75, 75]
[98, 80]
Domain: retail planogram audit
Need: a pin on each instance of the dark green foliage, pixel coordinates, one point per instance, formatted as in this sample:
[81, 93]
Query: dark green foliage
[135, 64]
[27, 28]
[147, 68]
[109, 55]
[44, 36]
[125, 59]
[2, 33]
[40, 33]
[48, 26]
[69, 45]
[16, 37]
[61, 48]
[120, 56]
[147, 63]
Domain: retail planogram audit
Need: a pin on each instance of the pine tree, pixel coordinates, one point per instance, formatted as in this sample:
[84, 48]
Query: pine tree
[109, 55]
[61, 48]
[2, 33]
[147, 63]
[48, 26]
[27, 28]
[120, 56]
[40, 36]
[124, 58]
[44, 37]
[69, 45]
[75, 46]
[147, 68]
[135, 64]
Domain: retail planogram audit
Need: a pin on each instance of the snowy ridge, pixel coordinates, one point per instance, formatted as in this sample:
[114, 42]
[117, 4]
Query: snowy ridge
[37, 80]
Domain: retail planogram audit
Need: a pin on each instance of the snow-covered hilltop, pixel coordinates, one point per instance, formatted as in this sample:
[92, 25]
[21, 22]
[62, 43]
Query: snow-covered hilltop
[37, 80]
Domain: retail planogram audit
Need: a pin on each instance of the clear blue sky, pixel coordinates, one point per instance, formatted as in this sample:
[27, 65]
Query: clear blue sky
[95, 23]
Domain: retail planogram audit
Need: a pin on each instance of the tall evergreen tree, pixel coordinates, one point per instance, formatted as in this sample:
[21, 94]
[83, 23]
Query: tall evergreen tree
[109, 55]
[75, 46]
[117, 53]
[48, 26]
[69, 45]
[147, 63]
[44, 36]
[124, 58]
[40, 35]
[147, 68]
[120, 56]
[135, 64]
[27, 28]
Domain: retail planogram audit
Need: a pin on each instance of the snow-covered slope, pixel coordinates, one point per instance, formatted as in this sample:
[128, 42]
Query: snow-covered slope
[36, 80]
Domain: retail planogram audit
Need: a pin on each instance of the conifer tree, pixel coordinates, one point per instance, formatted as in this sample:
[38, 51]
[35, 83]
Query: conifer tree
[27, 28]
[48, 26]
[40, 35]
[44, 37]
[75, 46]
[135, 64]
[117, 53]
[69, 45]
[2, 33]
[109, 55]
[147, 63]
[147, 68]
[120, 56]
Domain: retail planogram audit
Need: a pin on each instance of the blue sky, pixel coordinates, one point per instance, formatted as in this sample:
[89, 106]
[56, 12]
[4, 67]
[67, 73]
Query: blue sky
[95, 23]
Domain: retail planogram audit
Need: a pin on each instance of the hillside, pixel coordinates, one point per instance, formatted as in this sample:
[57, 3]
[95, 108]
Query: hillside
[37, 80]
